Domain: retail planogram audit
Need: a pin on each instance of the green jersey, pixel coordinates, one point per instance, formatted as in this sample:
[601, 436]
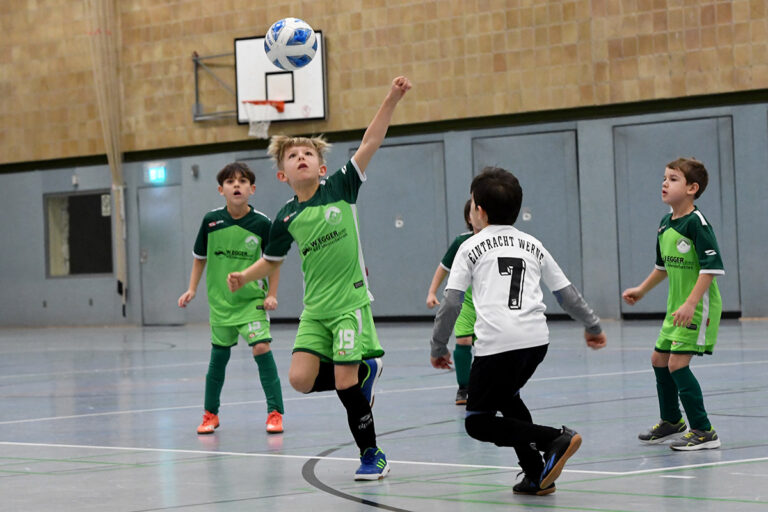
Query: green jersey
[447, 263]
[325, 229]
[231, 245]
[685, 248]
[450, 254]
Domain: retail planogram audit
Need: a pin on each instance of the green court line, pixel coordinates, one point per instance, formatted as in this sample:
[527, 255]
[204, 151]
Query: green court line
[502, 503]
[665, 496]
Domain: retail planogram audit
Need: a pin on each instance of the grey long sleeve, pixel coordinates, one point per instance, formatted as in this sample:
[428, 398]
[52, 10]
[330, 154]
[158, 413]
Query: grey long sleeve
[574, 304]
[444, 322]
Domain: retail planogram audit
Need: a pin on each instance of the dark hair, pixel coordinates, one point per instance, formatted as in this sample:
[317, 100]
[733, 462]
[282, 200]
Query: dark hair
[467, 207]
[232, 170]
[694, 172]
[499, 193]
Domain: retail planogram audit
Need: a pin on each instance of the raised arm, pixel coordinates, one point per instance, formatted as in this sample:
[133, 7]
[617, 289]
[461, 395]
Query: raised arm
[377, 130]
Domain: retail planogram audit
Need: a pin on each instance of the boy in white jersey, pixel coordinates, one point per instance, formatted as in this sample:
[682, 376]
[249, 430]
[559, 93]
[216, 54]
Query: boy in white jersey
[504, 266]
[687, 253]
[465, 324]
[227, 238]
[336, 332]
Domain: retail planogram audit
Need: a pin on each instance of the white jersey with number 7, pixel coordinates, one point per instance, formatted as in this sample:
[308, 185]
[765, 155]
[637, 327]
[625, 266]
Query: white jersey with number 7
[505, 267]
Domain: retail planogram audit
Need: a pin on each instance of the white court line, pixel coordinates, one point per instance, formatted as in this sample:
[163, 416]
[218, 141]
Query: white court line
[415, 463]
[383, 392]
[678, 476]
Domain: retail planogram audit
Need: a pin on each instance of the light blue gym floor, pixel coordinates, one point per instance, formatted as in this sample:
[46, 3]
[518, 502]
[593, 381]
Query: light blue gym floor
[104, 419]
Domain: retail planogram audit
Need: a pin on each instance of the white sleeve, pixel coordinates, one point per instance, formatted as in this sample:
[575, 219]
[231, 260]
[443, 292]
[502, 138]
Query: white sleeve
[461, 275]
[551, 273]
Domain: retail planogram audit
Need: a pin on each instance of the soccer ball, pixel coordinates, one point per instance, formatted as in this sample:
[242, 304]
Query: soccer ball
[290, 44]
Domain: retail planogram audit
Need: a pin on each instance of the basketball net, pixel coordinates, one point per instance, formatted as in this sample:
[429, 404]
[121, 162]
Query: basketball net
[258, 113]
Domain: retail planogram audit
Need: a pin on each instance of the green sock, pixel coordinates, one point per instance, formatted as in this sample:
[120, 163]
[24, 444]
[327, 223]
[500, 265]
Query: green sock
[214, 380]
[666, 389]
[692, 399]
[270, 381]
[462, 356]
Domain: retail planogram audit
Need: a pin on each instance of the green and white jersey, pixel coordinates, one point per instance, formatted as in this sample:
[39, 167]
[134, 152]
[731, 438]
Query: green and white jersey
[232, 245]
[685, 248]
[450, 254]
[326, 232]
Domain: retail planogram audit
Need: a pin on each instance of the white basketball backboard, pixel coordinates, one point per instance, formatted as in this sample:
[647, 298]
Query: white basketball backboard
[256, 78]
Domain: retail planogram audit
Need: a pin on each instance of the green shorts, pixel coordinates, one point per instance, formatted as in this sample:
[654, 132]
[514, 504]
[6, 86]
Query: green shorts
[668, 346]
[345, 339]
[465, 323]
[253, 332]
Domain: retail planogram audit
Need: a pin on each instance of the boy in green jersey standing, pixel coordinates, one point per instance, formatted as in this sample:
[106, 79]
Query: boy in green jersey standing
[465, 323]
[336, 332]
[229, 238]
[687, 253]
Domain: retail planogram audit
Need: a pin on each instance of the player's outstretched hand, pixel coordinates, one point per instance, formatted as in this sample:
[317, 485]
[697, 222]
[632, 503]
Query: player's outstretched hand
[235, 281]
[632, 295]
[185, 298]
[432, 301]
[595, 341]
[442, 362]
[270, 303]
[400, 86]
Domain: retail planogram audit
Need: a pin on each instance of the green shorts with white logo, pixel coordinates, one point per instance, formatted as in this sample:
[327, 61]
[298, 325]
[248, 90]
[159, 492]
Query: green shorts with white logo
[345, 339]
[668, 346]
[253, 332]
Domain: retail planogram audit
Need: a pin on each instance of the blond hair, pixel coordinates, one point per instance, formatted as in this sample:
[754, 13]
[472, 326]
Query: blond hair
[279, 144]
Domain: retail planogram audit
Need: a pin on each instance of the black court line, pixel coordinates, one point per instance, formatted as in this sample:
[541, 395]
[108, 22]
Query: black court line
[308, 472]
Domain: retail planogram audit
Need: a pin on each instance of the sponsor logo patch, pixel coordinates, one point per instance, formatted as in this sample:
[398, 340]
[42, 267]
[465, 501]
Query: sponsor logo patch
[683, 245]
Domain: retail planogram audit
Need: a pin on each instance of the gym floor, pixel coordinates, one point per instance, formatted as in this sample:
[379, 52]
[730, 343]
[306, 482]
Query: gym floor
[104, 419]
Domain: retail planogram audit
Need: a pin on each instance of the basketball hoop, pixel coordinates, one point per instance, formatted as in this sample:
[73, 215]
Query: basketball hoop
[258, 116]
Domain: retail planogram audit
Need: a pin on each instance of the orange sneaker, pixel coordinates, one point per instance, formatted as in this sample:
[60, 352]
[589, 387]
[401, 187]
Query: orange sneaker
[210, 422]
[274, 422]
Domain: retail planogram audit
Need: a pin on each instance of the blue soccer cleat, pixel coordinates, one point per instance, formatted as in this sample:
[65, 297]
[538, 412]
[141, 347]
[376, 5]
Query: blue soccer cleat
[373, 465]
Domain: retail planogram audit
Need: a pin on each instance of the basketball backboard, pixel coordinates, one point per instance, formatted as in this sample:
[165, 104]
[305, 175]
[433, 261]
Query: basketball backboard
[303, 91]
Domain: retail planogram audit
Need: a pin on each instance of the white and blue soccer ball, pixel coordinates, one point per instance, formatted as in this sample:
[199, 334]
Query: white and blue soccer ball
[290, 44]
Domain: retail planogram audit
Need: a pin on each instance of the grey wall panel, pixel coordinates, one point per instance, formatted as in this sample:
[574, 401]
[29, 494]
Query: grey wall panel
[619, 163]
[402, 214]
[546, 165]
[641, 153]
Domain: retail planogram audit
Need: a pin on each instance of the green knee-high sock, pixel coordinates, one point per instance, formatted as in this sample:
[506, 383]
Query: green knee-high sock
[214, 380]
[270, 381]
[692, 399]
[462, 355]
[666, 389]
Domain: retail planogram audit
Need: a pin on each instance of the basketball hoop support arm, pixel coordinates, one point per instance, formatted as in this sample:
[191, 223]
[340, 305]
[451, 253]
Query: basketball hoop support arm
[198, 113]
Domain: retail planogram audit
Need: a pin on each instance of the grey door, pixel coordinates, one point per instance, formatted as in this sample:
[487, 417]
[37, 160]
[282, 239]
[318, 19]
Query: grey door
[546, 165]
[161, 255]
[403, 226]
[641, 152]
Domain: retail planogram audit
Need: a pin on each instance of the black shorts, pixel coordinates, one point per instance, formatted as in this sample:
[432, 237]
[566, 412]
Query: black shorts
[495, 380]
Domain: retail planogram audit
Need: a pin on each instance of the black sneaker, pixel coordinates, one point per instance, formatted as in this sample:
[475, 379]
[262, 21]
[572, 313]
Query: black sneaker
[461, 396]
[558, 452]
[697, 440]
[663, 431]
[528, 486]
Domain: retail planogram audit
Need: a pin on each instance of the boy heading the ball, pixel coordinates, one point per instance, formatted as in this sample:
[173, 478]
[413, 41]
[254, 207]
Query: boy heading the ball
[504, 266]
[336, 331]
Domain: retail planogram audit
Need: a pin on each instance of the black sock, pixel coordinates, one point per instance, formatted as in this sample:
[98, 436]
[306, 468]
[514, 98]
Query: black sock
[359, 416]
[326, 379]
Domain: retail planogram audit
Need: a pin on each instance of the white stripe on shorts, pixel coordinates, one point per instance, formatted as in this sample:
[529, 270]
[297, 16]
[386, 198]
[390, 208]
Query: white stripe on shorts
[359, 315]
[702, 339]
